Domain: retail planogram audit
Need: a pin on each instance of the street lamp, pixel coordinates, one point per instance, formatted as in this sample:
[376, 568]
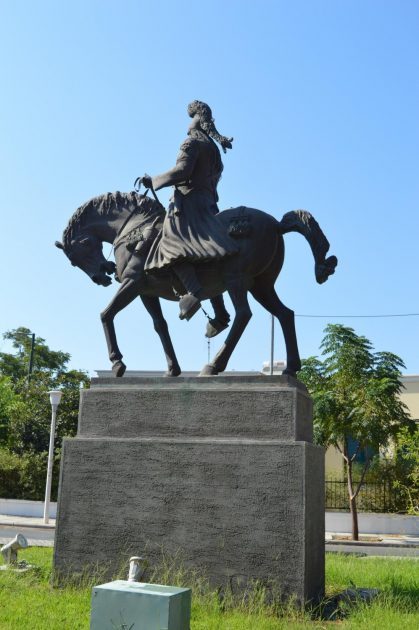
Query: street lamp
[54, 397]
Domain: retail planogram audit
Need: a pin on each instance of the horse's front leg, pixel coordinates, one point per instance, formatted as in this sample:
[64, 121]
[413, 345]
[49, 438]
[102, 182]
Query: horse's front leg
[153, 307]
[124, 296]
[238, 293]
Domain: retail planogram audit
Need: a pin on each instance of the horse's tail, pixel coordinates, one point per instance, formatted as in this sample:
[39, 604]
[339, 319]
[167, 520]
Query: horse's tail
[304, 223]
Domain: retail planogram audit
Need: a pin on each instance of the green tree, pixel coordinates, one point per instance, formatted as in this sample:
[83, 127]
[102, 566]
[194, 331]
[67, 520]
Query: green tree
[355, 395]
[408, 452]
[25, 410]
[16, 365]
[29, 422]
[25, 413]
[10, 402]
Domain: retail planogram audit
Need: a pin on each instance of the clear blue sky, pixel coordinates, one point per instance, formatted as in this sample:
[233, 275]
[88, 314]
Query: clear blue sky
[322, 99]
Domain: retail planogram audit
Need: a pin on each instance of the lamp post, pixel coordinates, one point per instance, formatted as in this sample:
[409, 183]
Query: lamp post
[54, 397]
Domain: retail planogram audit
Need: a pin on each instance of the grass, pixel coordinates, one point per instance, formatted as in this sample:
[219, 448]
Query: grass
[28, 602]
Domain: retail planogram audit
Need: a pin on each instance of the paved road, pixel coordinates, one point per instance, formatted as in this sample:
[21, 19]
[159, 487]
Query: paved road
[36, 536]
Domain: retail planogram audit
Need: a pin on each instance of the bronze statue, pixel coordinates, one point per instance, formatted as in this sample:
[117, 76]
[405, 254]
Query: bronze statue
[192, 233]
[192, 252]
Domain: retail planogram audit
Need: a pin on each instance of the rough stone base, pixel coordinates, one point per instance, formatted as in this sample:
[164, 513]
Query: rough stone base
[237, 508]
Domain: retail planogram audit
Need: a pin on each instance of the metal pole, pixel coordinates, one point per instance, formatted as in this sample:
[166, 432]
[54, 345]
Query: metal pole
[31, 356]
[272, 344]
[54, 397]
[50, 464]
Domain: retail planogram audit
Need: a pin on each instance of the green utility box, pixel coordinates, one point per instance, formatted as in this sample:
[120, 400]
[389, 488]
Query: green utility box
[123, 605]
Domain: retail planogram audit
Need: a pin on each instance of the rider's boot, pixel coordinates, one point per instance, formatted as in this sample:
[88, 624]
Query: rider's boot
[220, 320]
[189, 304]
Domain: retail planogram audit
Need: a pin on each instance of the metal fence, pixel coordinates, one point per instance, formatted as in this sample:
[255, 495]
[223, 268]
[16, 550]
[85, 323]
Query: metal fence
[373, 497]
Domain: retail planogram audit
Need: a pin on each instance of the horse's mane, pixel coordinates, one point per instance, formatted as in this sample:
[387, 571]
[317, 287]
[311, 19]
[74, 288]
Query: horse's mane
[106, 204]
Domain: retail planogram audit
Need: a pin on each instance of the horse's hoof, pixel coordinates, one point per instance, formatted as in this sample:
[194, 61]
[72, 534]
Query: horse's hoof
[118, 368]
[208, 370]
[215, 326]
[174, 372]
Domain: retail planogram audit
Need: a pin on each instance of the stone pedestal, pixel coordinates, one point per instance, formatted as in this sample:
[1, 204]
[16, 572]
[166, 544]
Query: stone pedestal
[220, 471]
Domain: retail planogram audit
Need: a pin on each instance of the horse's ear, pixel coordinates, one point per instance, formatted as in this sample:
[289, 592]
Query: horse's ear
[59, 245]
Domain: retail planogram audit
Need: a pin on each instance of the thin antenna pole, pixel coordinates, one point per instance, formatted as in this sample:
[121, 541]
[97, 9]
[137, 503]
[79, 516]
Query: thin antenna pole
[32, 351]
[272, 344]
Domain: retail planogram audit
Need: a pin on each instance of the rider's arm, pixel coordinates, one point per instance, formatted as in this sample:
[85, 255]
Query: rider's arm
[184, 166]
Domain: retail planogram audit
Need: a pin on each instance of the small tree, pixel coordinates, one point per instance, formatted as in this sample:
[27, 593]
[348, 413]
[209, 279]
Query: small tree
[355, 397]
[408, 452]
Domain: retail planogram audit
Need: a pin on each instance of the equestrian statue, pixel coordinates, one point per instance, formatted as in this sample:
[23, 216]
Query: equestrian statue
[191, 252]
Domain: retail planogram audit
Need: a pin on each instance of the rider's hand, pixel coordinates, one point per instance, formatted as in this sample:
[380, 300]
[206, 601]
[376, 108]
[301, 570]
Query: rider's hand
[145, 180]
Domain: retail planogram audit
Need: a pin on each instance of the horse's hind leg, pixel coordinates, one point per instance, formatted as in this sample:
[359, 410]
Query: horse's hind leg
[238, 293]
[153, 307]
[267, 297]
[124, 296]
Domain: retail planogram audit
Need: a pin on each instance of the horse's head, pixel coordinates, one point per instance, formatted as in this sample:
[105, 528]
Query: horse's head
[101, 219]
[86, 252]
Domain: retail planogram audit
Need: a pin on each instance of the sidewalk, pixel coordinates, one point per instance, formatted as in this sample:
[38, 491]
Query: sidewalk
[378, 539]
[25, 521]
[374, 544]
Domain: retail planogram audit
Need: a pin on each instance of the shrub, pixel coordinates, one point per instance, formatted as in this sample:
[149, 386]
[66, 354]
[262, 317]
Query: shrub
[24, 476]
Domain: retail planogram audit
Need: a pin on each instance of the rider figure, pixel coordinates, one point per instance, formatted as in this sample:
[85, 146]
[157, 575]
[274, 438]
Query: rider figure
[191, 231]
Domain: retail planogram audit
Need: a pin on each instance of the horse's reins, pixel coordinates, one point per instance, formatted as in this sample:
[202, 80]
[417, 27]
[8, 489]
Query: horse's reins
[153, 192]
[125, 223]
[131, 214]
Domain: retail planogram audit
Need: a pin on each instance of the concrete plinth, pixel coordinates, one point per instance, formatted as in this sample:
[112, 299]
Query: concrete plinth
[219, 470]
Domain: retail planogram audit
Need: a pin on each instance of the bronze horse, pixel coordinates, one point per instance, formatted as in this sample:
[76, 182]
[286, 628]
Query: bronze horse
[131, 222]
